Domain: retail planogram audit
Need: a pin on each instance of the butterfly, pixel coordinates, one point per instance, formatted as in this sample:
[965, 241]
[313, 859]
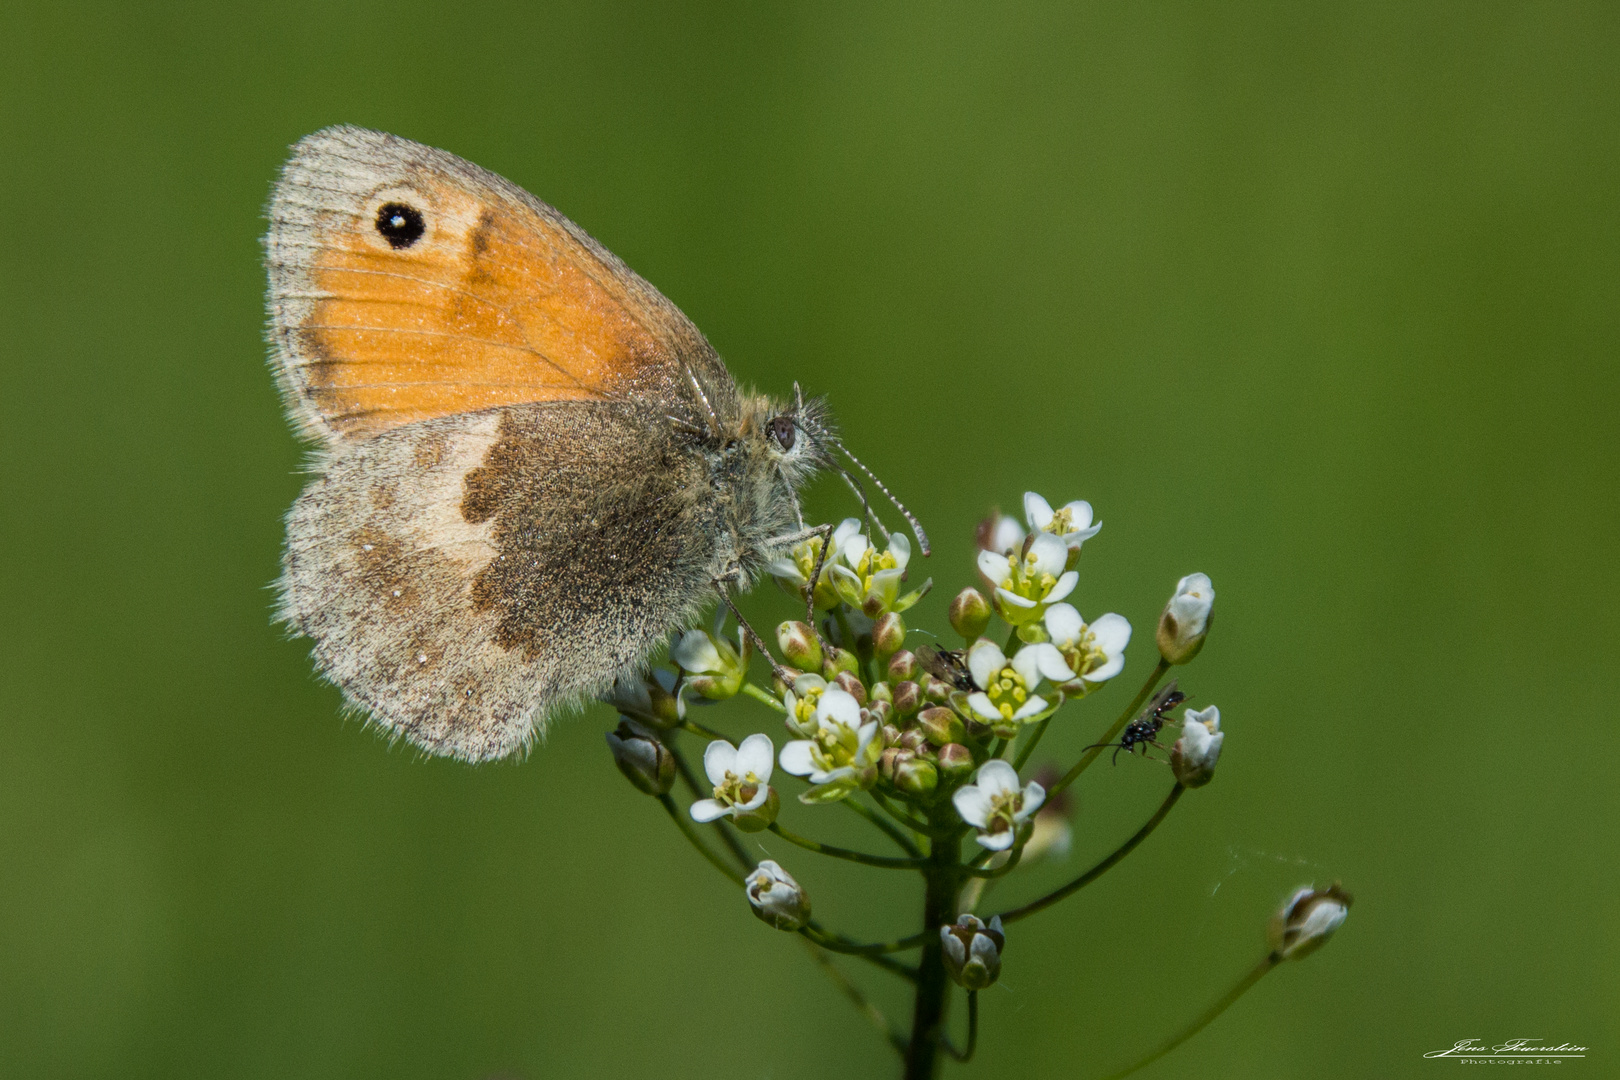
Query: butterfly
[529, 466]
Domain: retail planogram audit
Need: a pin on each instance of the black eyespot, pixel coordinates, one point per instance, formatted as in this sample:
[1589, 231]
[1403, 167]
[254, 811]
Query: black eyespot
[400, 225]
[783, 431]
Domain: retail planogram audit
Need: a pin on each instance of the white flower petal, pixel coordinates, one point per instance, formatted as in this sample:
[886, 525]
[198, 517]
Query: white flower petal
[806, 683]
[1014, 600]
[694, 651]
[1048, 661]
[973, 804]
[1065, 585]
[900, 548]
[1209, 718]
[796, 758]
[1037, 511]
[838, 707]
[996, 777]
[1047, 555]
[1034, 796]
[979, 702]
[994, 566]
[1000, 841]
[1007, 536]
[719, 758]
[984, 660]
[1080, 515]
[1064, 623]
[852, 549]
[1113, 633]
[864, 738]
[1107, 670]
[760, 795]
[756, 755]
[1034, 706]
[846, 529]
[705, 810]
[829, 777]
[787, 570]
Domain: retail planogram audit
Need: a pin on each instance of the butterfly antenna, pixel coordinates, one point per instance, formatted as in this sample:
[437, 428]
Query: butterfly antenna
[916, 526]
[860, 493]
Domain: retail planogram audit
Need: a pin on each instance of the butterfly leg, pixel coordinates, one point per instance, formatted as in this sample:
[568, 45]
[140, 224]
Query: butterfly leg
[825, 532]
[722, 585]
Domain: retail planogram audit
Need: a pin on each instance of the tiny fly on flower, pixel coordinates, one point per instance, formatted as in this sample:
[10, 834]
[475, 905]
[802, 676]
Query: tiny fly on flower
[949, 666]
[1141, 731]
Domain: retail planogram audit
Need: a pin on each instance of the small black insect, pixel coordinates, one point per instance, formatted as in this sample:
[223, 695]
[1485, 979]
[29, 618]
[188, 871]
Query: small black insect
[948, 666]
[1141, 731]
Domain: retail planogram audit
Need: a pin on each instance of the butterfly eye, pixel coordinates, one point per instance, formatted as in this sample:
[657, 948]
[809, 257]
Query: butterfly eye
[400, 225]
[783, 431]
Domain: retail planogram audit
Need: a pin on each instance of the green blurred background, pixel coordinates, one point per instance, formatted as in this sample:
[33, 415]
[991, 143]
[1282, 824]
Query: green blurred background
[1318, 299]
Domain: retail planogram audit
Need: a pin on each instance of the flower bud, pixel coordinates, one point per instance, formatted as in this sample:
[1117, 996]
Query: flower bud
[903, 666]
[645, 762]
[907, 696]
[1308, 919]
[760, 818]
[1193, 757]
[849, 684]
[888, 634]
[916, 776]
[1186, 619]
[891, 734]
[955, 760]
[936, 689]
[836, 660]
[880, 710]
[650, 698]
[970, 613]
[799, 644]
[913, 740]
[776, 898]
[889, 764]
[941, 726]
[715, 669]
[972, 951]
[881, 691]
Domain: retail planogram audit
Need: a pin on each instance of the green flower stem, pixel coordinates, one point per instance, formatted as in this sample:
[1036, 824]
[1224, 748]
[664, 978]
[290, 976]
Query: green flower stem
[1204, 1020]
[839, 943]
[847, 632]
[763, 696]
[883, 861]
[887, 827]
[681, 822]
[700, 730]
[965, 1055]
[1030, 744]
[944, 881]
[722, 826]
[902, 817]
[1101, 868]
[861, 1001]
[999, 748]
[1001, 871]
[1113, 733]
[1014, 643]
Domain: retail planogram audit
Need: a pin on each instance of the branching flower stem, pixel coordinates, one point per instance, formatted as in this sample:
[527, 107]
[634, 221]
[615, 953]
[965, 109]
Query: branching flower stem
[1101, 868]
[965, 1054]
[1113, 732]
[763, 696]
[861, 1001]
[1030, 744]
[918, 827]
[681, 822]
[732, 841]
[1258, 972]
[883, 861]
[888, 828]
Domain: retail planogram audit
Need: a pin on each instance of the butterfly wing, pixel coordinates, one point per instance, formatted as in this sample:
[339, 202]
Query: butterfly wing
[465, 577]
[408, 284]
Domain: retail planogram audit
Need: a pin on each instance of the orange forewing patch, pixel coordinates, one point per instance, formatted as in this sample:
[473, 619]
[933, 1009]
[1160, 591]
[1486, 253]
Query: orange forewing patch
[492, 306]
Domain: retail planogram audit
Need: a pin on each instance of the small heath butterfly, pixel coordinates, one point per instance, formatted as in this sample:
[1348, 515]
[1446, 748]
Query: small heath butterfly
[530, 466]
